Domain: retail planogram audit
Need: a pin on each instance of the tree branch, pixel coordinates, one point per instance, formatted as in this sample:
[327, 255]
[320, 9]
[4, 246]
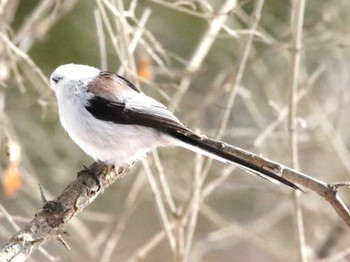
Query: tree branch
[328, 191]
[48, 223]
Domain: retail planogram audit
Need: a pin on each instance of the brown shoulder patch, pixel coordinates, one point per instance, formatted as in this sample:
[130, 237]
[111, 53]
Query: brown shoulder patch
[109, 84]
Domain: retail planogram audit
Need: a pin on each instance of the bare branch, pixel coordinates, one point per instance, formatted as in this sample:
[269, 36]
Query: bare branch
[48, 223]
[325, 190]
[296, 41]
[202, 50]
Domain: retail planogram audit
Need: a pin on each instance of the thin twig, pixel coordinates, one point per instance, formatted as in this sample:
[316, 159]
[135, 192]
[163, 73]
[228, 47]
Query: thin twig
[144, 250]
[195, 207]
[120, 222]
[163, 183]
[201, 51]
[160, 204]
[101, 39]
[25, 57]
[239, 75]
[297, 29]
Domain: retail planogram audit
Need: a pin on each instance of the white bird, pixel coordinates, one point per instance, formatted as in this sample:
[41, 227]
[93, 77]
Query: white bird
[113, 121]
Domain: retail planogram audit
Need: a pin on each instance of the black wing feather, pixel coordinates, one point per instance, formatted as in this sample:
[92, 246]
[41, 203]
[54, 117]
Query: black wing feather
[120, 113]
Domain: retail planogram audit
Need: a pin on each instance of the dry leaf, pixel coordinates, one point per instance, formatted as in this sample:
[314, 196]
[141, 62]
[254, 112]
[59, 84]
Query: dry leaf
[145, 67]
[11, 180]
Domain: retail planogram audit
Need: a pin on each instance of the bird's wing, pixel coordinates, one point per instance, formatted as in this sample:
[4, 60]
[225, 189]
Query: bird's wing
[138, 110]
[117, 100]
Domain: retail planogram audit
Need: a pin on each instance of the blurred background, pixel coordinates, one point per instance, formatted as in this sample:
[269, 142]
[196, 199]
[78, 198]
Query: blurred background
[227, 69]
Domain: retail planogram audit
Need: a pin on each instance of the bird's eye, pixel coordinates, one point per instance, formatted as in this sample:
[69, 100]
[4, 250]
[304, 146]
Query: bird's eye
[56, 79]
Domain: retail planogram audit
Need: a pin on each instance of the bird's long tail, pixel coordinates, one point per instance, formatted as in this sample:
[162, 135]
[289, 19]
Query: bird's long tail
[216, 149]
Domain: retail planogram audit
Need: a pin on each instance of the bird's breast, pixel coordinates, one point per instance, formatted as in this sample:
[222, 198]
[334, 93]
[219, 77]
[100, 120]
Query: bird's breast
[106, 141]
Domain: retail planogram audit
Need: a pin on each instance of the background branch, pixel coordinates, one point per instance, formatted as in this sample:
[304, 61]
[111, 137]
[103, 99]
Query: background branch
[297, 22]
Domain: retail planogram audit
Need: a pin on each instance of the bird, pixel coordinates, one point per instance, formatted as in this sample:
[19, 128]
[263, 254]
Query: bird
[112, 121]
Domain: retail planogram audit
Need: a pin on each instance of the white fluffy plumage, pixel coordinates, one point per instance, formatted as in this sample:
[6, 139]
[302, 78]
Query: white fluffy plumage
[105, 141]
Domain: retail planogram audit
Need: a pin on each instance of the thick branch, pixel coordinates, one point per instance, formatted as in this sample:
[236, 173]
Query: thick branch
[48, 223]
